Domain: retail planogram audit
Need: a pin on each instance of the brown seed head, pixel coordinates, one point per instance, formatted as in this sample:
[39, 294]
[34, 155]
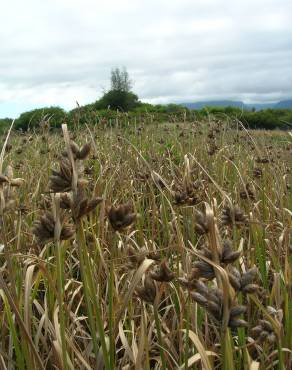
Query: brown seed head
[257, 172]
[147, 292]
[201, 223]
[3, 179]
[233, 215]
[44, 228]
[163, 273]
[83, 153]
[61, 181]
[228, 255]
[264, 332]
[122, 216]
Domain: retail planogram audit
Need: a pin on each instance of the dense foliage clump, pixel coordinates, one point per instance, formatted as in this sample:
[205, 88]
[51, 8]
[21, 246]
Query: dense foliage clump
[114, 103]
[54, 116]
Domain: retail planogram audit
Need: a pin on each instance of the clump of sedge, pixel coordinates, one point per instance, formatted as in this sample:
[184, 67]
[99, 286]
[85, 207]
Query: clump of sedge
[212, 300]
[202, 269]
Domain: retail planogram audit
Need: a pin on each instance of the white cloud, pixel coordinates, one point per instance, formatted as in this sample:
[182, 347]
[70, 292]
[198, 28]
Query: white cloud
[57, 52]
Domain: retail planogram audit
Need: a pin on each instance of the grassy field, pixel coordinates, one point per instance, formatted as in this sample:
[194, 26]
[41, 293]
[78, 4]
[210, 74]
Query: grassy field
[161, 246]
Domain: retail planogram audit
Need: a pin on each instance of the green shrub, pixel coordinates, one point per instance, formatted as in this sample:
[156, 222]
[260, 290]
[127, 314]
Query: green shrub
[118, 100]
[30, 120]
[5, 123]
[266, 119]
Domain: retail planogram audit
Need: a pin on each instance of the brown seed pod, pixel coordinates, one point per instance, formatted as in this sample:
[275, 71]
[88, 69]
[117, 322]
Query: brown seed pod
[214, 309]
[262, 160]
[234, 281]
[90, 237]
[263, 335]
[243, 282]
[233, 215]
[190, 281]
[19, 151]
[186, 193]
[186, 283]
[212, 300]
[250, 288]
[84, 151]
[147, 292]
[264, 332]
[61, 181]
[163, 273]
[92, 204]
[255, 332]
[237, 323]
[65, 201]
[201, 223]
[248, 277]
[74, 147]
[206, 252]
[23, 209]
[78, 153]
[200, 287]
[122, 216]
[44, 228]
[81, 205]
[266, 325]
[153, 256]
[228, 255]
[234, 321]
[199, 298]
[135, 257]
[204, 270]
[248, 192]
[180, 198]
[215, 295]
[271, 338]
[3, 179]
[237, 311]
[8, 147]
[209, 298]
[257, 172]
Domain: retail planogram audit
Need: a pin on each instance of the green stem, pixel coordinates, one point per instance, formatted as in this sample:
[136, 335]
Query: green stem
[227, 350]
[60, 281]
[159, 337]
[91, 297]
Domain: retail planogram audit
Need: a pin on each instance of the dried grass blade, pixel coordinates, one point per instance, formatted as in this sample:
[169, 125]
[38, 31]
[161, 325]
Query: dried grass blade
[202, 352]
[137, 277]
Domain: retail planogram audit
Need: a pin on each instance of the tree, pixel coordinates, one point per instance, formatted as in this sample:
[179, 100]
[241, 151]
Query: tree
[120, 80]
[116, 99]
[120, 95]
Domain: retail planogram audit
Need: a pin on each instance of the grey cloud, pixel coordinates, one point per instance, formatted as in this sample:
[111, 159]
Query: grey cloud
[175, 51]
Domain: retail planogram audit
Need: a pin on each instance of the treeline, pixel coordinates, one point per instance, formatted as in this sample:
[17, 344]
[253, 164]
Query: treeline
[120, 105]
[140, 113]
[268, 119]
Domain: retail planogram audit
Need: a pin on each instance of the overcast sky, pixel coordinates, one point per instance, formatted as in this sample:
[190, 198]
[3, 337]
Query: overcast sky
[57, 52]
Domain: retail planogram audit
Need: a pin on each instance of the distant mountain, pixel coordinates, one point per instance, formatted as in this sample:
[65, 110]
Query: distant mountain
[283, 104]
[214, 103]
[260, 106]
